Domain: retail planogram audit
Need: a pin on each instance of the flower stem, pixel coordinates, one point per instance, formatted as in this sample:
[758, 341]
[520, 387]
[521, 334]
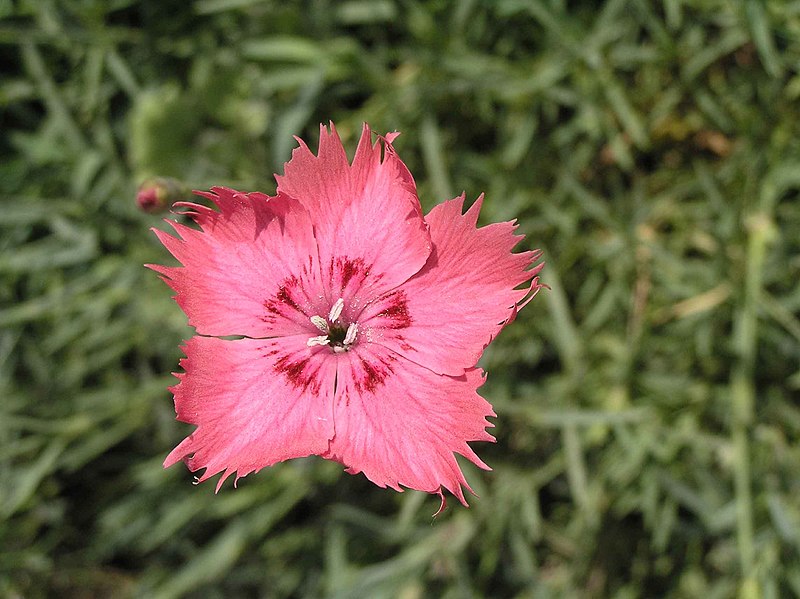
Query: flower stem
[743, 395]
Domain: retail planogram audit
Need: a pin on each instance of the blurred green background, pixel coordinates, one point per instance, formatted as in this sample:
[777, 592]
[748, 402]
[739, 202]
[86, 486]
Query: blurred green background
[648, 405]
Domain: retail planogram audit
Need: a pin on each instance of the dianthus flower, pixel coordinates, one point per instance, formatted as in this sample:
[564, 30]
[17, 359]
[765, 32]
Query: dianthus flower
[361, 321]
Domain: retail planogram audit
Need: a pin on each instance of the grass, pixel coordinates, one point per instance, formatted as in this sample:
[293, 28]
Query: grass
[648, 427]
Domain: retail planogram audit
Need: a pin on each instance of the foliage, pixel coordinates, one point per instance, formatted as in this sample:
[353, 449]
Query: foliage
[647, 422]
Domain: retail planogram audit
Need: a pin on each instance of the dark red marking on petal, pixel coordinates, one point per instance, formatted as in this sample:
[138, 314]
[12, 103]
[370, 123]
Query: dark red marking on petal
[344, 270]
[350, 268]
[404, 345]
[396, 312]
[374, 374]
[283, 297]
[297, 372]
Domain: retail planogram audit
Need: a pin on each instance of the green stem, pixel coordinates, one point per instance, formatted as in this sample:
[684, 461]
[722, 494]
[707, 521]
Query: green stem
[576, 472]
[743, 391]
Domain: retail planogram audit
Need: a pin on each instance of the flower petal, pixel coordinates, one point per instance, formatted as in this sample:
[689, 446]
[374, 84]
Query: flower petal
[446, 314]
[367, 217]
[399, 423]
[252, 268]
[255, 402]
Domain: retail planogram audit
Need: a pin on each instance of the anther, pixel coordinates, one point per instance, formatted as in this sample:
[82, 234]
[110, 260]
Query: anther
[320, 323]
[352, 331]
[321, 340]
[336, 311]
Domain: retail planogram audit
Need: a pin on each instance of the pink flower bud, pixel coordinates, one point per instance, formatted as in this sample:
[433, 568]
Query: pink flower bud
[159, 193]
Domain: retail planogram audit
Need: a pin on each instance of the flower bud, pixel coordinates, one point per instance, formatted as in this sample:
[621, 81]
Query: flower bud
[157, 194]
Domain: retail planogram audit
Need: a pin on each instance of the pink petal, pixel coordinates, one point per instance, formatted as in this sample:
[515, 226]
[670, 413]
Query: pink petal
[252, 268]
[445, 315]
[255, 402]
[367, 217]
[400, 424]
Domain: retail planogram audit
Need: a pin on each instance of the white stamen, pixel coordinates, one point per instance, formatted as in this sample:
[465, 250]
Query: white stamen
[321, 340]
[336, 311]
[328, 327]
[352, 331]
[320, 323]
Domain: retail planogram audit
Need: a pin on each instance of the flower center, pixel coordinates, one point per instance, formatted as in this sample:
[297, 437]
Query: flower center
[337, 335]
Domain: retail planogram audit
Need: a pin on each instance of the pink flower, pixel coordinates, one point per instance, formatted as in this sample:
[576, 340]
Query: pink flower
[361, 321]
